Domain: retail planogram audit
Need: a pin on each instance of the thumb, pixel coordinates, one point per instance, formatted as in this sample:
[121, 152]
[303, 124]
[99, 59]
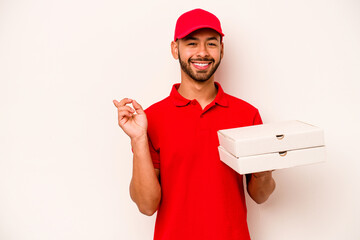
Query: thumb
[137, 107]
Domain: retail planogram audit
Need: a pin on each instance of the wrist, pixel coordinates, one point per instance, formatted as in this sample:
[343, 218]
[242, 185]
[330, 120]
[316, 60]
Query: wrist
[262, 175]
[139, 139]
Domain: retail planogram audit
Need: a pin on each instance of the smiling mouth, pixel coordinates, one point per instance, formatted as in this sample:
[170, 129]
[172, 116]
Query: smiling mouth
[201, 65]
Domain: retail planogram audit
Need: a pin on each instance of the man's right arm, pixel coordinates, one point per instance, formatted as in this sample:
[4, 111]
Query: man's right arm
[145, 189]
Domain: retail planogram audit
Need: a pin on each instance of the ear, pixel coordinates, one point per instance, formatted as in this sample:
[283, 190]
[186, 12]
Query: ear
[175, 49]
[222, 50]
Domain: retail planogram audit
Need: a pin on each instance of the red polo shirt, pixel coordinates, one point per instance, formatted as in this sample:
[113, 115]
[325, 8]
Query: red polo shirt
[202, 198]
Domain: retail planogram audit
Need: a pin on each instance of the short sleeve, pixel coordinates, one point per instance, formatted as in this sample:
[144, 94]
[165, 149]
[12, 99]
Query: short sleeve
[257, 119]
[155, 155]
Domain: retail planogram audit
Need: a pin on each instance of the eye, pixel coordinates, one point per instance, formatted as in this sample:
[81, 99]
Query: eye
[213, 44]
[191, 44]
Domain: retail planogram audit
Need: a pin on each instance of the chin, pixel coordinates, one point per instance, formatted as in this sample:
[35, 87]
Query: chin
[201, 80]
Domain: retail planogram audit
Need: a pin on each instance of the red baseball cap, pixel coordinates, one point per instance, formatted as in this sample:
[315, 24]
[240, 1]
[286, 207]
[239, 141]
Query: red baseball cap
[194, 20]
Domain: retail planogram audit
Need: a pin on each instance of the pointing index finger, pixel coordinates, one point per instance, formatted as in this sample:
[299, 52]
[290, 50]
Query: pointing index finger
[123, 102]
[115, 103]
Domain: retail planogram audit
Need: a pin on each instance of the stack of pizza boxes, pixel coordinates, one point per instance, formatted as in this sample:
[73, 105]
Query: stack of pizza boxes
[271, 146]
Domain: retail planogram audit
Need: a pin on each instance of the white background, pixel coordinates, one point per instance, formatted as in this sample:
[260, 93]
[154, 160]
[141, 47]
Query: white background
[65, 165]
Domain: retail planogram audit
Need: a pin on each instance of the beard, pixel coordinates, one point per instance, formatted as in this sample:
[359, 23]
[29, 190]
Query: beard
[200, 75]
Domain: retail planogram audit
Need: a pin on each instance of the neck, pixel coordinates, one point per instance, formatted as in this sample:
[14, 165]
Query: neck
[204, 92]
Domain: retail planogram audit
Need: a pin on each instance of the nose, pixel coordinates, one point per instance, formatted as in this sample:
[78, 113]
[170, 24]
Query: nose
[202, 51]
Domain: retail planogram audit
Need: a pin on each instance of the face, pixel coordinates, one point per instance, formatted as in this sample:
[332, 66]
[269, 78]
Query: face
[199, 54]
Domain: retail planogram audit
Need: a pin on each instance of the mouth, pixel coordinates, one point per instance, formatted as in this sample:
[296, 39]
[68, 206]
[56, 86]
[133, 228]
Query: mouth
[201, 65]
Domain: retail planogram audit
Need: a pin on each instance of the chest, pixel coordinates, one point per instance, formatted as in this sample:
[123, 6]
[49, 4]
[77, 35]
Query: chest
[189, 130]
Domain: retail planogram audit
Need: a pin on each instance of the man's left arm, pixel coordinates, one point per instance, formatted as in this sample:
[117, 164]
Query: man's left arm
[260, 185]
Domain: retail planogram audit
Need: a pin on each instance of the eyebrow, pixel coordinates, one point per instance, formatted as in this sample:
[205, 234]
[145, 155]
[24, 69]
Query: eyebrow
[194, 38]
[212, 38]
[190, 38]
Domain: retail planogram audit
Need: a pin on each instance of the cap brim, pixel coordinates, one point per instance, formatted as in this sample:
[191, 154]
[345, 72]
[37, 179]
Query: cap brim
[184, 34]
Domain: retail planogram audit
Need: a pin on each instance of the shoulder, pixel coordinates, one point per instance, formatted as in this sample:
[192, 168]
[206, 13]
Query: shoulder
[155, 116]
[239, 104]
[249, 114]
[158, 107]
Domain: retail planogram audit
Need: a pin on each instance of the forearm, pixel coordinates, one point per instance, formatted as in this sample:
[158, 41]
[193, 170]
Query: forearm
[145, 188]
[260, 186]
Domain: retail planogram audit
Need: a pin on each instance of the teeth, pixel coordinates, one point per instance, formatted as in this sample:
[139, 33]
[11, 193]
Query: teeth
[201, 64]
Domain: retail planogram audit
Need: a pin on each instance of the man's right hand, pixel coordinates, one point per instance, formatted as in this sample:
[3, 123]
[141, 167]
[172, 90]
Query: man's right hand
[133, 122]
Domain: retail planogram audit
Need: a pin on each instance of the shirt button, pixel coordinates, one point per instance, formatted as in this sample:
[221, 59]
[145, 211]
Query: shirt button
[193, 103]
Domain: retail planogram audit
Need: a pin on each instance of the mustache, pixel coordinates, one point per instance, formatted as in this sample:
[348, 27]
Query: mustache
[202, 59]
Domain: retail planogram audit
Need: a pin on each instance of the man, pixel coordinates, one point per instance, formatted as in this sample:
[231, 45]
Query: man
[176, 167]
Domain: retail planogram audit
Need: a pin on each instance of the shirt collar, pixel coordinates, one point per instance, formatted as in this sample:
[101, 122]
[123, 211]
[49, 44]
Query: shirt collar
[180, 101]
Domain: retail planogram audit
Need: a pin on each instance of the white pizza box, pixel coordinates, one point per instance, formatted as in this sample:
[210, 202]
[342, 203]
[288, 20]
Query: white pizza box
[270, 138]
[272, 161]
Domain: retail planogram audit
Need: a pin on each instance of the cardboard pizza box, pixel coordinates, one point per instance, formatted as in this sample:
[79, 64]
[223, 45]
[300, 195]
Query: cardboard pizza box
[273, 161]
[271, 146]
[270, 137]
